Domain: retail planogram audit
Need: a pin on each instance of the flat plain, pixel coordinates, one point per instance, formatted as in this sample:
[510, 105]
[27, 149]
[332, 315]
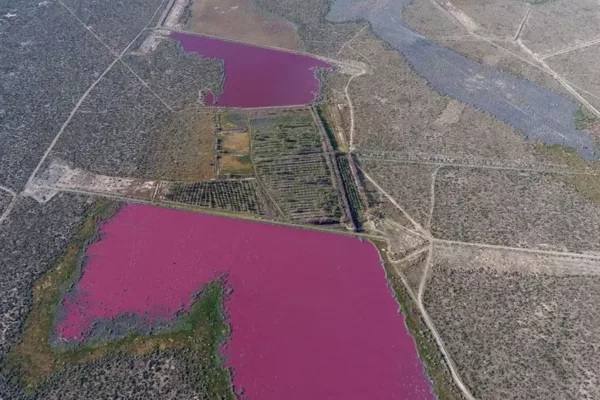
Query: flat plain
[5, 199]
[460, 136]
[518, 325]
[238, 19]
[517, 209]
[53, 61]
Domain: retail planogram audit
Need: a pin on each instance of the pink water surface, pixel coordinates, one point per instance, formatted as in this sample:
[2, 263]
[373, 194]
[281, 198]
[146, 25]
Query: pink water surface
[311, 313]
[258, 77]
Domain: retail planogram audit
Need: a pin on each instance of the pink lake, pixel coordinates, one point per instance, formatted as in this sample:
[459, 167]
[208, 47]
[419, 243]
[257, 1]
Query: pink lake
[311, 313]
[256, 76]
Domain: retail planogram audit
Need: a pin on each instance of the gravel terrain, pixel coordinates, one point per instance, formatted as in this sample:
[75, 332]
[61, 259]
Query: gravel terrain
[518, 326]
[408, 184]
[425, 18]
[579, 67]
[547, 29]
[495, 18]
[561, 23]
[514, 208]
[154, 376]
[499, 53]
[413, 270]
[513, 60]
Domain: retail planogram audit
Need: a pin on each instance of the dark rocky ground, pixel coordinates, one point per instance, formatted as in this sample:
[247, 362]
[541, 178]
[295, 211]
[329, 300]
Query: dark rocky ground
[110, 132]
[53, 61]
[117, 23]
[155, 376]
[5, 199]
[31, 240]
[173, 74]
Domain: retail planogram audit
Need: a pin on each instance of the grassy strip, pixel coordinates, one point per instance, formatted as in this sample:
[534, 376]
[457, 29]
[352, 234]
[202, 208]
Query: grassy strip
[233, 120]
[584, 118]
[356, 206]
[202, 330]
[236, 165]
[321, 112]
[587, 185]
[432, 358]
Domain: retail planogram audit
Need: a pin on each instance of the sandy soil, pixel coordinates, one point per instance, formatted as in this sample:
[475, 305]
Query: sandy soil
[236, 19]
[235, 143]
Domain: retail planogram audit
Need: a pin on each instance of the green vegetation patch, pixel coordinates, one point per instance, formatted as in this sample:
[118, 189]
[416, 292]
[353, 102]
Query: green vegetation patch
[233, 120]
[288, 156]
[284, 133]
[322, 112]
[185, 148]
[584, 118]
[201, 331]
[236, 165]
[587, 185]
[356, 206]
[435, 366]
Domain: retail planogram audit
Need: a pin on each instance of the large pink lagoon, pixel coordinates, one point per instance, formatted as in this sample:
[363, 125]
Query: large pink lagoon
[258, 77]
[312, 315]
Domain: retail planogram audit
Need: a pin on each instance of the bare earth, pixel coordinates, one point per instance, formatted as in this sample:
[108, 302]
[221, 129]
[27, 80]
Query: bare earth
[238, 19]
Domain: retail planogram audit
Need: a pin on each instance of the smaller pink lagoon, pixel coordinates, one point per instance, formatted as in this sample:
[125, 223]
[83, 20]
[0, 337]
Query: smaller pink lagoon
[258, 77]
[311, 314]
